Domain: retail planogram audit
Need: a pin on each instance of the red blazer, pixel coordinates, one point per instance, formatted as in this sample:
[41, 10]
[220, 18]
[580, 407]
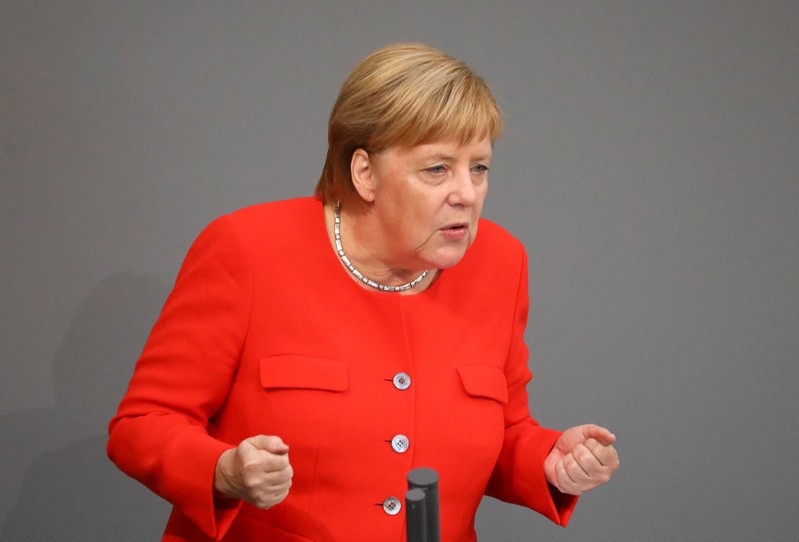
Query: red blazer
[264, 333]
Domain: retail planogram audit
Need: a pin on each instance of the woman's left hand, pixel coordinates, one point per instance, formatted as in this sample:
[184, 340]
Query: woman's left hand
[583, 458]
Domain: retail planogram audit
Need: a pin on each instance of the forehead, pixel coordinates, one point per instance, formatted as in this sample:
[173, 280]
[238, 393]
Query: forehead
[452, 149]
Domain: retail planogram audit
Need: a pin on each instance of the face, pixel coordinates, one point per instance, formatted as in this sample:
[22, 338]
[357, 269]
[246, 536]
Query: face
[427, 200]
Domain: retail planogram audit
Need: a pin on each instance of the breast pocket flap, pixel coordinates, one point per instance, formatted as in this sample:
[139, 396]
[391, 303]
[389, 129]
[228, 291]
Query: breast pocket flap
[484, 381]
[304, 372]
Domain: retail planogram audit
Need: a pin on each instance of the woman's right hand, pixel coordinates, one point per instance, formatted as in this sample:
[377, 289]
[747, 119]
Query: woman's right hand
[257, 471]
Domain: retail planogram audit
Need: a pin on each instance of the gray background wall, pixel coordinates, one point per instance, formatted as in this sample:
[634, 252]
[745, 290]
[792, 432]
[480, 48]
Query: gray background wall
[649, 165]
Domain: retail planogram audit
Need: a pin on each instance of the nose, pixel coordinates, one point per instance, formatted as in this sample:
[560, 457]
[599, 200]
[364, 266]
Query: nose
[464, 191]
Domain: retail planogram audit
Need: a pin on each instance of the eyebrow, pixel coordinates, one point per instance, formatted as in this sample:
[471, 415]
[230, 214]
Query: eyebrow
[448, 158]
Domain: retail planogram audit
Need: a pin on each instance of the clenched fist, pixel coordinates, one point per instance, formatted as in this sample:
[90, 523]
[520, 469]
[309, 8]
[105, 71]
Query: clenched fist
[583, 458]
[257, 471]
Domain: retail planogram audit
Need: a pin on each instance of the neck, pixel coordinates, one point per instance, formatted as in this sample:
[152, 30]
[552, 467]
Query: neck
[364, 254]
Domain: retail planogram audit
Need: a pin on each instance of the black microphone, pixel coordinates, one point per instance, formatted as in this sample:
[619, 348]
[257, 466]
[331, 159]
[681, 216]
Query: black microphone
[415, 515]
[425, 480]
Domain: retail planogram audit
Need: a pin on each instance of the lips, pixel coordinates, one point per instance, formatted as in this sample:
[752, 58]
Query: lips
[455, 232]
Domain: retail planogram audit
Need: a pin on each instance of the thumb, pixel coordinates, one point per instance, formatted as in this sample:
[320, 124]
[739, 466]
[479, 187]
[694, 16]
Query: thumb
[269, 443]
[599, 433]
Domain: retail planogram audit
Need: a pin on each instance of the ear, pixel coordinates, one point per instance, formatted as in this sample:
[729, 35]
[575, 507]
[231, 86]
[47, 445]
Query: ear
[363, 175]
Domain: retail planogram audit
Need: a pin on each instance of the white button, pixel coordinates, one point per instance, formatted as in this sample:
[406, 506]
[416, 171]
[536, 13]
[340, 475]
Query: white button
[400, 444]
[402, 381]
[392, 506]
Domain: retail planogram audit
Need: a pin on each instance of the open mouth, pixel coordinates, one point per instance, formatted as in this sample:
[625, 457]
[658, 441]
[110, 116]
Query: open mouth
[455, 232]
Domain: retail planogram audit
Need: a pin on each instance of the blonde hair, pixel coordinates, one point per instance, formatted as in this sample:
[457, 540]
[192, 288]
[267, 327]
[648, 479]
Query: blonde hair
[403, 94]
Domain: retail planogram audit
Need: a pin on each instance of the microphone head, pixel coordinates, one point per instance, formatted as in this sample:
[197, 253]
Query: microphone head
[422, 477]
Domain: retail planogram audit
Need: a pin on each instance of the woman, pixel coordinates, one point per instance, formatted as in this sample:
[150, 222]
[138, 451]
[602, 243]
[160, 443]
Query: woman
[314, 351]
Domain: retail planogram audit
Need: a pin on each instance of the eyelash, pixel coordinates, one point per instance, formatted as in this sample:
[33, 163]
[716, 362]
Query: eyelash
[478, 168]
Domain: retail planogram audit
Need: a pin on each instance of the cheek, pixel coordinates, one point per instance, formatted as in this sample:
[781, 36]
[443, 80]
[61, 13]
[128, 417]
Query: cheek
[473, 232]
[425, 210]
[482, 192]
[410, 224]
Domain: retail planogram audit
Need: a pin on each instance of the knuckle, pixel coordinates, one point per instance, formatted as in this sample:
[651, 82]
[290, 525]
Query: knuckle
[250, 482]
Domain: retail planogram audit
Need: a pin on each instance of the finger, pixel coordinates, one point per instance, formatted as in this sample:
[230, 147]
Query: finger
[581, 470]
[566, 484]
[263, 485]
[598, 474]
[271, 443]
[599, 433]
[266, 497]
[586, 460]
[281, 477]
[276, 480]
[255, 462]
[273, 487]
[274, 463]
[606, 455]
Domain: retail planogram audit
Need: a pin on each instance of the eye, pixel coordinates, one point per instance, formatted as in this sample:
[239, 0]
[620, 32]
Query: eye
[480, 168]
[437, 170]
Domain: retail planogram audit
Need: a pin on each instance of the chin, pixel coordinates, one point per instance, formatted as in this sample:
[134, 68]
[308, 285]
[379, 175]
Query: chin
[447, 260]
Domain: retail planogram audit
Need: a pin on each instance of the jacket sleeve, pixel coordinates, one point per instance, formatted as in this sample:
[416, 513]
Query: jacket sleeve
[160, 433]
[518, 476]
